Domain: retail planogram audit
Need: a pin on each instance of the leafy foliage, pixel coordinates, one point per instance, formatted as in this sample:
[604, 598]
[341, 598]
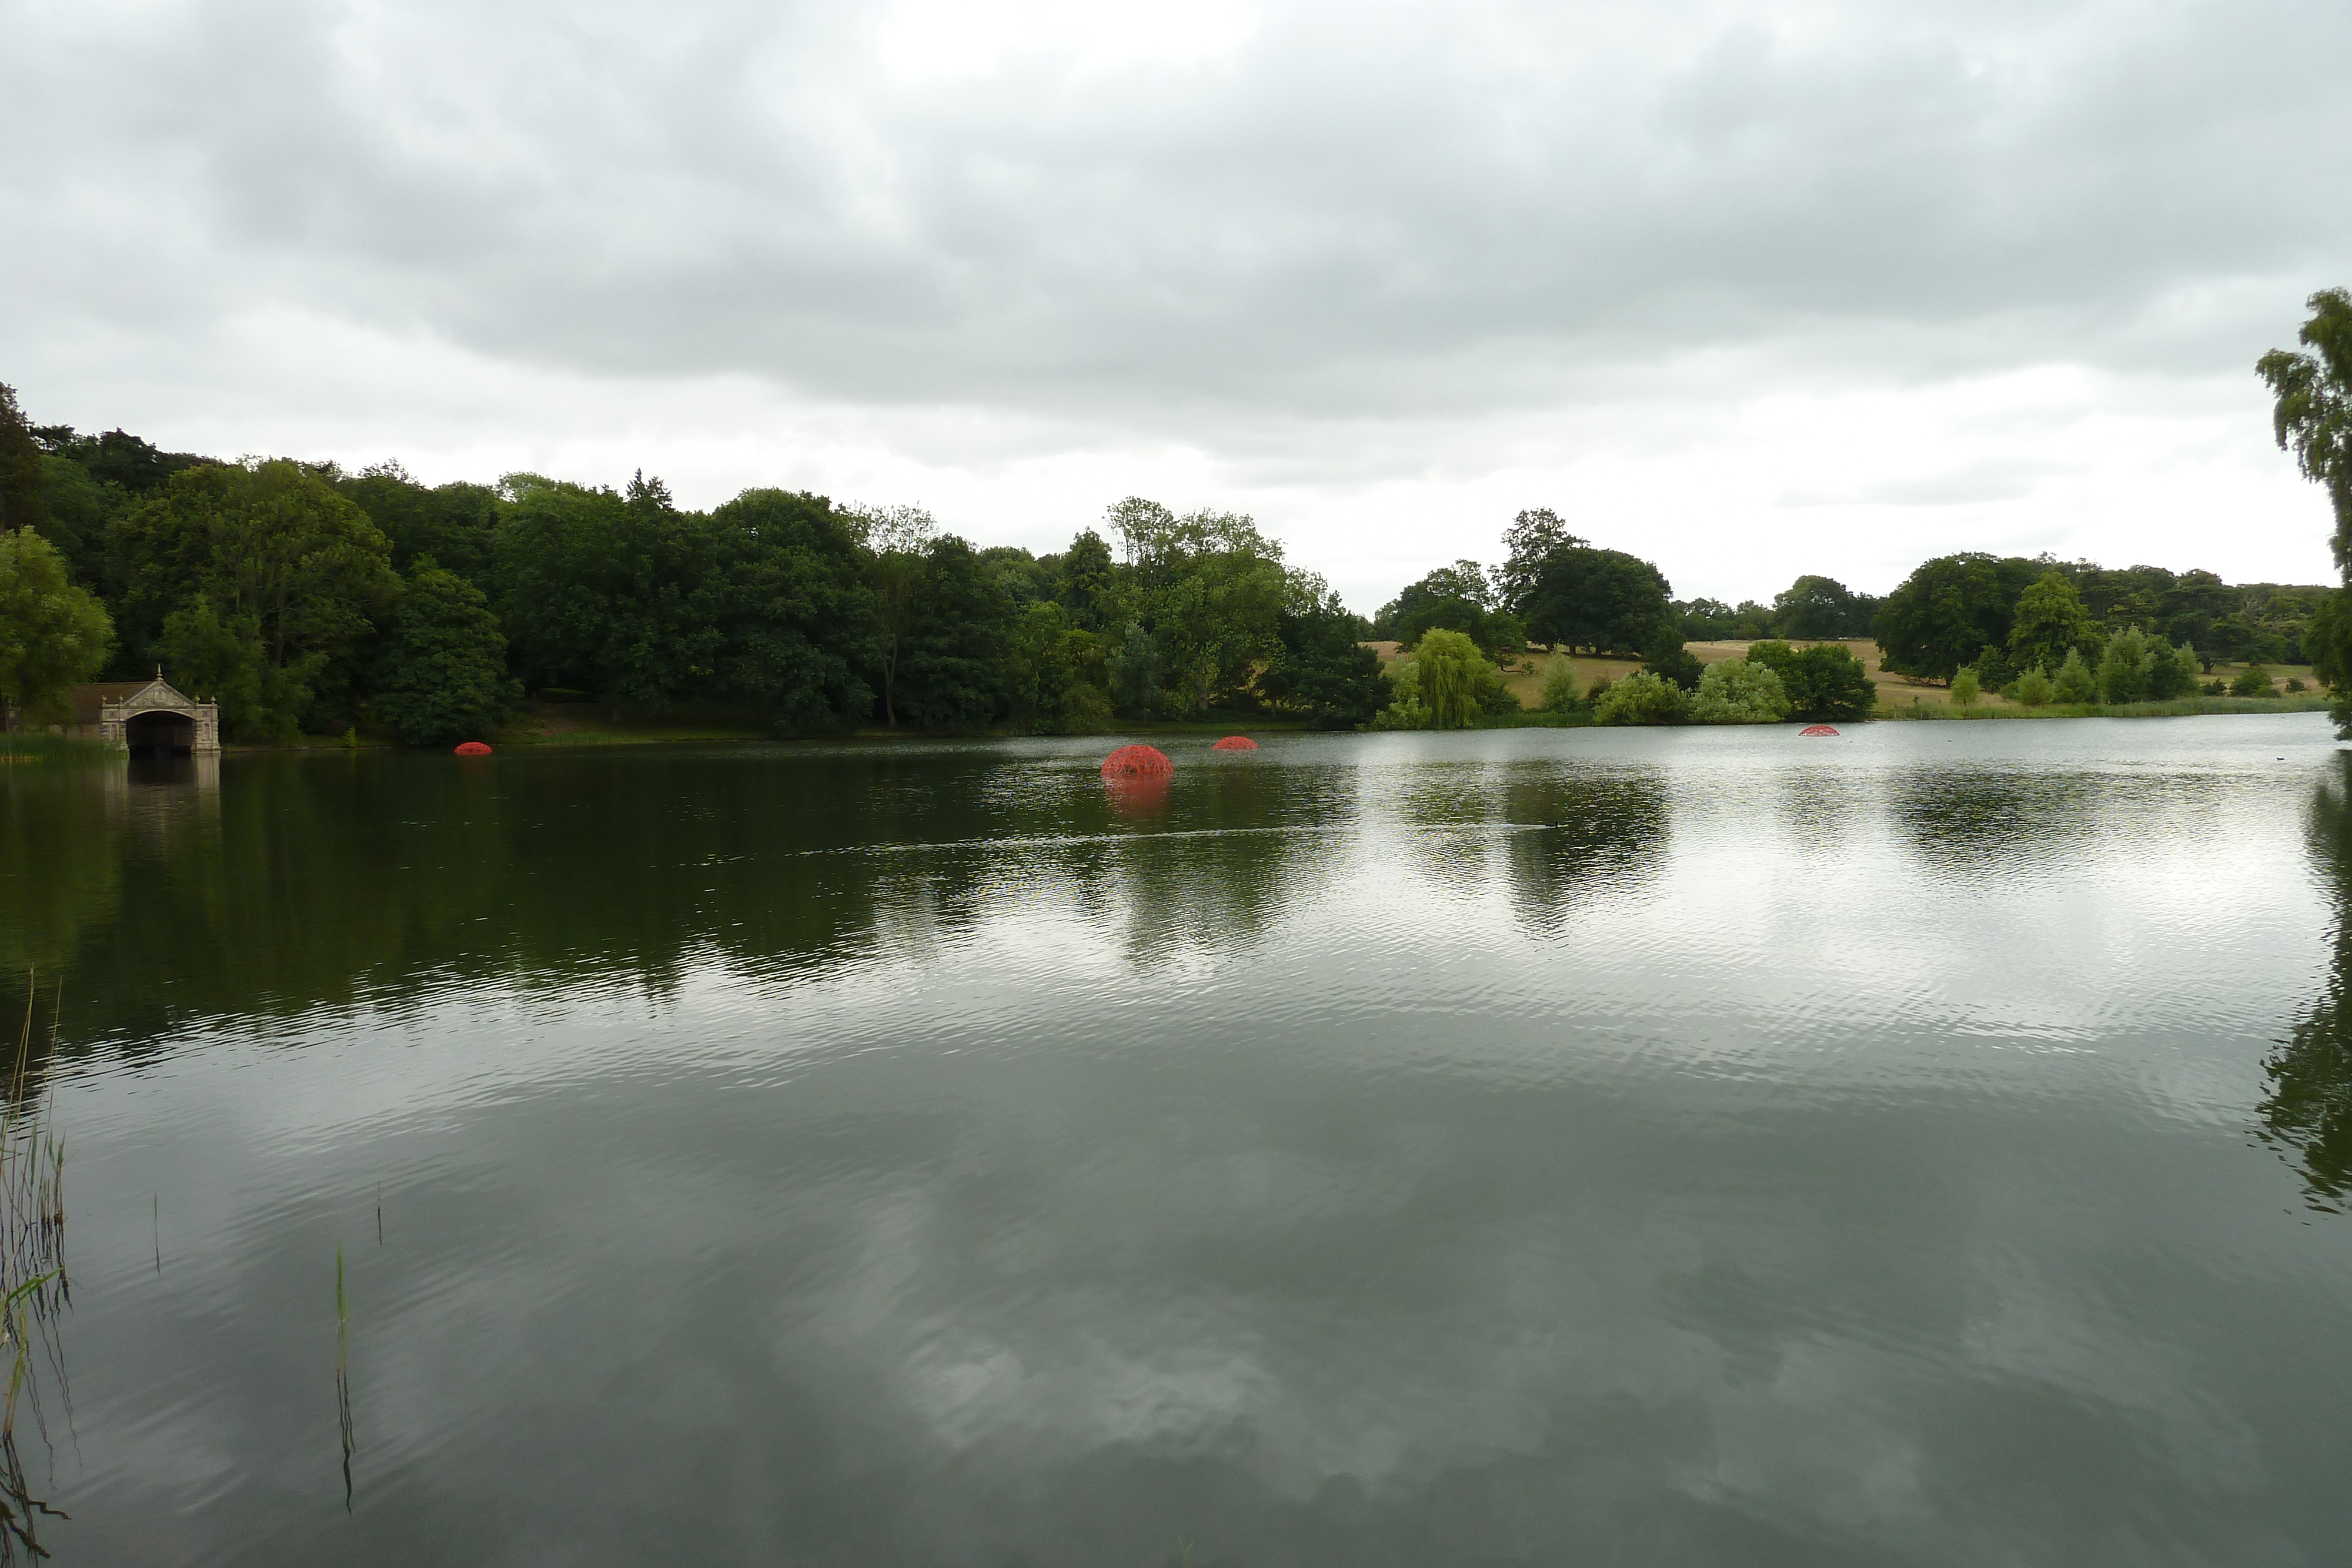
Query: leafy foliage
[441, 674]
[2312, 417]
[2074, 683]
[281, 560]
[1735, 691]
[1947, 610]
[1642, 698]
[1822, 609]
[53, 635]
[1823, 682]
[1321, 672]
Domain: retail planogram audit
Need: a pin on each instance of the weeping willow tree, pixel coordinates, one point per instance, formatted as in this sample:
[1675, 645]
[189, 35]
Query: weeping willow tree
[1453, 671]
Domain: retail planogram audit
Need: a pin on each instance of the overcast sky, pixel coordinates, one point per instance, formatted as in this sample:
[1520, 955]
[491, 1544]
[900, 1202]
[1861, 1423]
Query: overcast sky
[1750, 289]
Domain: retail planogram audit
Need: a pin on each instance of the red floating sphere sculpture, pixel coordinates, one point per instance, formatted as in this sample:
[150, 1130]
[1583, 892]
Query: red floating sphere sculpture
[473, 748]
[1138, 762]
[1818, 730]
[1235, 743]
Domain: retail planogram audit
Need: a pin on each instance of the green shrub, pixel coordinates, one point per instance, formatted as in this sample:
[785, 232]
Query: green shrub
[2217, 689]
[1825, 681]
[2033, 688]
[1965, 689]
[1733, 691]
[1641, 697]
[2253, 680]
[2074, 682]
[1994, 669]
[1559, 693]
[2294, 683]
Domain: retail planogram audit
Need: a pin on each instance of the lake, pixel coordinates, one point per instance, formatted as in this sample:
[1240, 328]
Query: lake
[1547, 1146]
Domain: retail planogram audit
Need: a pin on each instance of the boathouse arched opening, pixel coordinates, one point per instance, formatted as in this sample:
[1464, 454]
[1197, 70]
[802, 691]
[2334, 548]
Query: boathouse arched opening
[160, 734]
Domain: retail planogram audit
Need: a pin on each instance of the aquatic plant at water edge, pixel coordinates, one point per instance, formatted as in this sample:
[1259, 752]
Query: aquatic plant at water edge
[33, 1290]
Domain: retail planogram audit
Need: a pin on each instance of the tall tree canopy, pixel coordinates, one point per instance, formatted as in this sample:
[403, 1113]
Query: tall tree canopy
[1813, 608]
[1602, 599]
[2050, 623]
[1530, 540]
[21, 502]
[1322, 672]
[442, 674]
[53, 635]
[2312, 417]
[1948, 609]
[1455, 598]
[271, 548]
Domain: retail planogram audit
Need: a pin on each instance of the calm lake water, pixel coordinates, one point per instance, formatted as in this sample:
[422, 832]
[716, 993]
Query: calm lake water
[1703, 1147]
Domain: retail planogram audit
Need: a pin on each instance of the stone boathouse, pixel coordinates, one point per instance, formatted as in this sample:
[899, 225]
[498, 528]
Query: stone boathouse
[148, 716]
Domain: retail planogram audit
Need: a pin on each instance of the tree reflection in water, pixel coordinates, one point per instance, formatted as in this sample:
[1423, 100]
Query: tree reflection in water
[2307, 1115]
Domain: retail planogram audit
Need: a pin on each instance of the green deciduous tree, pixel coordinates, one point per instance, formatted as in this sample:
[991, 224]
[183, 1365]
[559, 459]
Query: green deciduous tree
[454, 524]
[948, 673]
[898, 540]
[1086, 584]
[1134, 666]
[2033, 688]
[2253, 680]
[53, 635]
[1668, 659]
[1602, 599]
[1823, 682]
[271, 547]
[2051, 621]
[1820, 608]
[2312, 417]
[1453, 675]
[1321, 673]
[441, 675]
[1734, 691]
[2074, 681]
[1947, 610]
[1559, 693]
[21, 502]
[1530, 541]
[1966, 688]
[223, 660]
[1642, 698]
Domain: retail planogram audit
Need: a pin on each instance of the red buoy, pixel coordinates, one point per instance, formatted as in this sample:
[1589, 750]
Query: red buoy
[1137, 762]
[1818, 730]
[473, 748]
[1235, 743]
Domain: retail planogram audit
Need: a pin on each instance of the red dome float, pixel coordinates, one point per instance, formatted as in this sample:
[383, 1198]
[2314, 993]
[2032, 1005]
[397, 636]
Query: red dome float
[1818, 730]
[1138, 762]
[473, 748]
[1235, 743]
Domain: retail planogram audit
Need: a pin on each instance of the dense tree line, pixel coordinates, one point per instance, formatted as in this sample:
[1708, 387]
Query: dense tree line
[1958, 610]
[300, 597]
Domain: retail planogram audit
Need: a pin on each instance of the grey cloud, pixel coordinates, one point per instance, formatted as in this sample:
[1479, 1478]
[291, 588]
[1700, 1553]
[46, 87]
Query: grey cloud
[1360, 214]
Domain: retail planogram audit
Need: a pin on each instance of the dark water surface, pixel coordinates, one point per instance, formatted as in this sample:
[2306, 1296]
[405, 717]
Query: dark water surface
[1556, 1147]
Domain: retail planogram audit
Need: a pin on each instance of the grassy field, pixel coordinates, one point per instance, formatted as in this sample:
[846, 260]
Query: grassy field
[1901, 696]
